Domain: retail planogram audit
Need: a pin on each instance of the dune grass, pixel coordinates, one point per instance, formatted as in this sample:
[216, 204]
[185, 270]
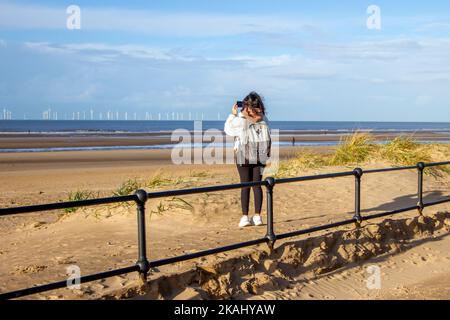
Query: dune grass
[128, 187]
[356, 148]
[360, 148]
[79, 195]
[301, 162]
[199, 174]
[172, 203]
[158, 181]
[405, 151]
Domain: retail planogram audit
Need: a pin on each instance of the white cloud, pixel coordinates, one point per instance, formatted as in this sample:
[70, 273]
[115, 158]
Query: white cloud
[264, 61]
[366, 50]
[378, 62]
[287, 67]
[434, 26]
[148, 22]
[101, 52]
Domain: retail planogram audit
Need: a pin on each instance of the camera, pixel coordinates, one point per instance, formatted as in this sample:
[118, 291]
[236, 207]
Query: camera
[240, 104]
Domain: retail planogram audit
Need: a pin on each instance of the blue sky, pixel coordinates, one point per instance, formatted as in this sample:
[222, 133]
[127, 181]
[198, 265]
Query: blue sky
[314, 60]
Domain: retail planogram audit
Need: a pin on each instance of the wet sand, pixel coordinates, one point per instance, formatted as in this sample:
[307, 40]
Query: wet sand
[30, 141]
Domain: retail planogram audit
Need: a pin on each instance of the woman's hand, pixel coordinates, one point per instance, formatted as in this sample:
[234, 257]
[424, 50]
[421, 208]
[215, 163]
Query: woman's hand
[234, 110]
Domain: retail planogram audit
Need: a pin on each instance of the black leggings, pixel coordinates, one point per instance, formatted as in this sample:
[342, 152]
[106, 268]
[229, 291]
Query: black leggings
[249, 173]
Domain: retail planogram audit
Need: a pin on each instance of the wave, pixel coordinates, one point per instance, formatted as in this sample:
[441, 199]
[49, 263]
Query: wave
[157, 147]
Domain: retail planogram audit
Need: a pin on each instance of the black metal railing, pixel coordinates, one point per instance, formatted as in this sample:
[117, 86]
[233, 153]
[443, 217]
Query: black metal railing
[143, 265]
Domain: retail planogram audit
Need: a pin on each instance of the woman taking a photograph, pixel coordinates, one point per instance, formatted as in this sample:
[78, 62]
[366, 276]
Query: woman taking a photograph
[248, 124]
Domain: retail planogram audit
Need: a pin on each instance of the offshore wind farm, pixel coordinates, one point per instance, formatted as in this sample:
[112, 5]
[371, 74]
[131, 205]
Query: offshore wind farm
[109, 115]
[91, 114]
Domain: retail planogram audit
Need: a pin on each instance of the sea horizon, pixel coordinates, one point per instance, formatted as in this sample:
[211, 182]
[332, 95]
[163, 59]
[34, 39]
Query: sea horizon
[167, 126]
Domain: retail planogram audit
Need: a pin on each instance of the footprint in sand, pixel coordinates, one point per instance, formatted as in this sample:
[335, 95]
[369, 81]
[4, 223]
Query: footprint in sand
[338, 276]
[270, 296]
[115, 254]
[391, 265]
[65, 260]
[118, 282]
[29, 269]
[99, 286]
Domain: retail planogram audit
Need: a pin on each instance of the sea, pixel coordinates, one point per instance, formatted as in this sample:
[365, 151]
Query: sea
[94, 126]
[165, 128]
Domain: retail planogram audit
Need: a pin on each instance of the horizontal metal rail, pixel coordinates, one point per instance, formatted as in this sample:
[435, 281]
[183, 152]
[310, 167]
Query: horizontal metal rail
[158, 263]
[437, 202]
[66, 205]
[143, 266]
[436, 164]
[182, 192]
[315, 177]
[389, 169]
[62, 284]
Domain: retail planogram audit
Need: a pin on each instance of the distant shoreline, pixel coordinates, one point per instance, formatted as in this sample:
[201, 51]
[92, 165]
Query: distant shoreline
[148, 141]
[166, 127]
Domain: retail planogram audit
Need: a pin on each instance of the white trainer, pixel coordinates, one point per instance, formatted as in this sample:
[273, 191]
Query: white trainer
[257, 220]
[245, 222]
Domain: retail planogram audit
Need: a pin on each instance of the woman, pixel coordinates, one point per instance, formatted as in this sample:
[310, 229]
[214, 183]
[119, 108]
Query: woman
[250, 129]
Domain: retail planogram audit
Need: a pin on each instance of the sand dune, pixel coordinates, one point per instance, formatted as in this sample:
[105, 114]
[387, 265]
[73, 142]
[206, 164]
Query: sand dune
[37, 248]
[330, 266]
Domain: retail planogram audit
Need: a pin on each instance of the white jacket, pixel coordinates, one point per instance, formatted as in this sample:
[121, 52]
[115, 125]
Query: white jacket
[245, 131]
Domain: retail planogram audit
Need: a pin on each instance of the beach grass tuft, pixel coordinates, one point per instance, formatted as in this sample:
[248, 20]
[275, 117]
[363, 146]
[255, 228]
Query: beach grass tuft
[200, 174]
[79, 195]
[173, 203]
[128, 187]
[360, 148]
[158, 181]
[404, 151]
[302, 161]
[354, 149]
[160, 208]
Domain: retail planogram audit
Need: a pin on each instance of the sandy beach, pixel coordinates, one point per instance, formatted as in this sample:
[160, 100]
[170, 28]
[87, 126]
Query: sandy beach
[60, 140]
[104, 237]
[22, 174]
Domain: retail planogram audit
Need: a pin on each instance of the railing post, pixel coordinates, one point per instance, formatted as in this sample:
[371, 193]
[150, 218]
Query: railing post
[270, 235]
[420, 168]
[358, 172]
[143, 263]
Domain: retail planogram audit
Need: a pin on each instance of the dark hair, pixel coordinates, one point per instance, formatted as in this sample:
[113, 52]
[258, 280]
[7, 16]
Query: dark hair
[254, 100]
